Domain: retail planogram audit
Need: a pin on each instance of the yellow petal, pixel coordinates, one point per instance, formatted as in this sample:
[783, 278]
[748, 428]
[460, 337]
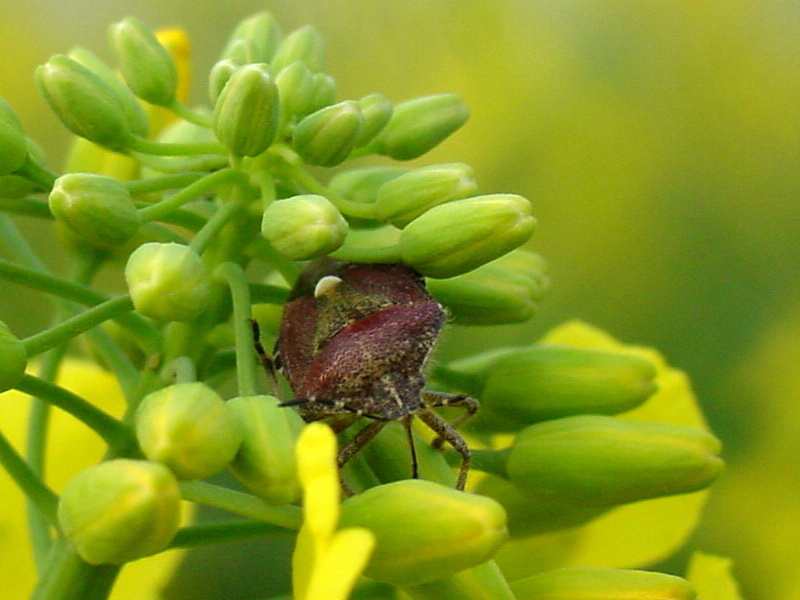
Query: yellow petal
[319, 478]
[340, 566]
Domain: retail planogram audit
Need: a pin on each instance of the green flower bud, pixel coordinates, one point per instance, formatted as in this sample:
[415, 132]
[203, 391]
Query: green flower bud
[421, 124]
[547, 382]
[297, 89]
[603, 461]
[146, 65]
[219, 75]
[595, 583]
[404, 198]
[246, 114]
[13, 147]
[188, 428]
[362, 185]
[304, 227]
[459, 236]
[424, 530]
[261, 32]
[135, 115]
[13, 359]
[84, 103]
[326, 137]
[488, 295]
[120, 510]
[168, 282]
[303, 44]
[324, 92]
[377, 110]
[98, 209]
[265, 463]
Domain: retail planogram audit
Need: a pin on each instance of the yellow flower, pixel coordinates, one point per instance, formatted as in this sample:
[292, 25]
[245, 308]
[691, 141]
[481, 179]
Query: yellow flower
[71, 448]
[326, 562]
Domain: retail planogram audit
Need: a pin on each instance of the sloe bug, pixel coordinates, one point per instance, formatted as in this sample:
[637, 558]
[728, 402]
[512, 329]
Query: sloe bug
[354, 341]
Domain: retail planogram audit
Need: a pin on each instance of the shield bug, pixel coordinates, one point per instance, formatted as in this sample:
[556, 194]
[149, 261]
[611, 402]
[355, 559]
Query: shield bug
[353, 343]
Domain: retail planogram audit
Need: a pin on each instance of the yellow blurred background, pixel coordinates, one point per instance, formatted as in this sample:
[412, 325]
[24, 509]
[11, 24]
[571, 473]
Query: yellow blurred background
[659, 144]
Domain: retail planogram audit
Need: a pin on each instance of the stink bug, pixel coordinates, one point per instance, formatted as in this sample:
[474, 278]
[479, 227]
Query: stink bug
[353, 343]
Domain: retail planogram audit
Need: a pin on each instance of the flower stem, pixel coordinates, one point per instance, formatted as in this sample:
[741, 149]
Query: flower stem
[242, 315]
[208, 233]
[190, 192]
[144, 146]
[187, 114]
[348, 207]
[74, 326]
[68, 577]
[165, 182]
[107, 427]
[218, 533]
[41, 496]
[246, 505]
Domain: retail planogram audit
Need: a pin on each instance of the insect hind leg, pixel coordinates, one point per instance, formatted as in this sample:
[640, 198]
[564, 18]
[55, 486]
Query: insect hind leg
[436, 399]
[447, 433]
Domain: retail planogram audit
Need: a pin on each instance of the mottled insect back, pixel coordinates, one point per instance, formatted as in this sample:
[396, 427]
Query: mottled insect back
[353, 343]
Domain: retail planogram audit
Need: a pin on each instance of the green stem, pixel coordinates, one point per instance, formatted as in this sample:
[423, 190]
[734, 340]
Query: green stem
[209, 232]
[245, 505]
[35, 172]
[68, 577]
[41, 496]
[263, 293]
[196, 189]
[202, 162]
[240, 295]
[165, 182]
[348, 207]
[188, 114]
[11, 237]
[147, 336]
[144, 146]
[31, 207]
[483, 582]
[74, 326]
[114, 433]
[220, 533]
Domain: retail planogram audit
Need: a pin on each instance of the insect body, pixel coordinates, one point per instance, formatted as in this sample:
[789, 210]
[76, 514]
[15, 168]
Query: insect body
[354, 341]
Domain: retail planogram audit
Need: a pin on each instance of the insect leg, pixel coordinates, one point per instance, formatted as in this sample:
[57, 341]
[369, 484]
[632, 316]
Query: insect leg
[359, 440]
[446, 432]
[436, 399]
[266, 359]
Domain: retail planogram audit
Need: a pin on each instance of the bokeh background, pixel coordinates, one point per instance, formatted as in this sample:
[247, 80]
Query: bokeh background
[659, 144]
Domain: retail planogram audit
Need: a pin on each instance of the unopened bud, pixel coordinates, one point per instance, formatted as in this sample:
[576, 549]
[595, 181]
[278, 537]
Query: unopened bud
[13, 147]
[420, 125]
[168, 281]
[303, 44]
[261, 32]
[96, 208]
[120, 510]
[544, 382]
[362, 185]
[454, 238]
[404, 198]
[265, 463]
[488, 295]
[246, 114]
[324, 92]
[326, 138]
[146, 65]
[604, 461]
[219, 75]
[84, 103]
[377, 110]
[425, 530]
[188, 428]
[13, 358]
[297, 88]
[596, 583]
[135, 115]
[304, 227]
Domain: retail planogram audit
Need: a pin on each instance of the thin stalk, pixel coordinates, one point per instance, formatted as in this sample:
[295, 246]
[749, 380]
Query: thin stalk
[37, 493]
[189, 193]
[242, 315]
[348, 207]
[144, 146]
[239, 503]
[68, 577]
[188, 114]
[32, 207]
[164, 182]
[219, 533]
[74, 326]
[209, 232]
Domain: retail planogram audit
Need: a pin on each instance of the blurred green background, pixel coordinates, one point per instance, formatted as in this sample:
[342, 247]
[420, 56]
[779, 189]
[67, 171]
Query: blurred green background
[659, 144]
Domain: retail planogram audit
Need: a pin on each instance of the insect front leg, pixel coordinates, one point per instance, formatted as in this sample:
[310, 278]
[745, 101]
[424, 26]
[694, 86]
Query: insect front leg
[447, 433]
[436, 399]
